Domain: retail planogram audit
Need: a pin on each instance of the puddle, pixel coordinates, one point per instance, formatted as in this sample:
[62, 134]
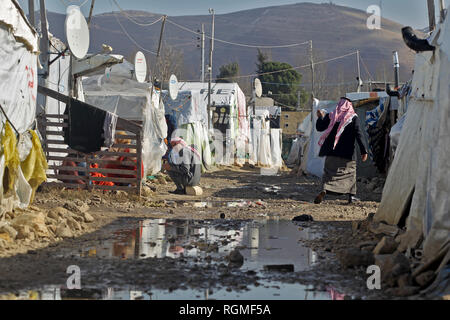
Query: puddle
[262, 243]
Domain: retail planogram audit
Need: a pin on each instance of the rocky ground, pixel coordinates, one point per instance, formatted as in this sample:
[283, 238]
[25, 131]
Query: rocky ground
[32, 240]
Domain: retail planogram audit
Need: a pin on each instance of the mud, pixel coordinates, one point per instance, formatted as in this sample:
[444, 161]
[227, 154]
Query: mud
[123, 254]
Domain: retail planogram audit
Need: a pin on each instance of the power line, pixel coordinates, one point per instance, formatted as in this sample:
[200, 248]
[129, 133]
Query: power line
[131, 39]
[126, 15]
[239, 44]
[365, 67]
[292, 68]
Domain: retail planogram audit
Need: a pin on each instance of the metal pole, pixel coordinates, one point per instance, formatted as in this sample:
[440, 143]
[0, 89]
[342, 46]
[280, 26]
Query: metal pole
[31, 12]
[312, 67]
[90, 13]
[396, 69]
[44, 40]
[161, 36]
[211, 49]
[359, 71]
[431, 15]
[203, 52]
[442, 10]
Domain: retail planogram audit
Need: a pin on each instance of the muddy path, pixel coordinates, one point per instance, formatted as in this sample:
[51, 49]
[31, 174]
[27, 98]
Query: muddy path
[236, 241]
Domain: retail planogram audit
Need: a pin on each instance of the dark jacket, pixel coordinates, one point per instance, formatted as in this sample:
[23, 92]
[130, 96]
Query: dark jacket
[188, 165]
[345, 147]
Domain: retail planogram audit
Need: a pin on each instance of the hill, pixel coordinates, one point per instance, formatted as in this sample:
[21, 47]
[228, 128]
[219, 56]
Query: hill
[335, 31]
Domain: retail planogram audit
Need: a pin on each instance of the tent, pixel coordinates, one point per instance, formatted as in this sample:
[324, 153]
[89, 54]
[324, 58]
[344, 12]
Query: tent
[228, 118]
[21, 152]
[133, 101]
[191, 121]
[416, 193]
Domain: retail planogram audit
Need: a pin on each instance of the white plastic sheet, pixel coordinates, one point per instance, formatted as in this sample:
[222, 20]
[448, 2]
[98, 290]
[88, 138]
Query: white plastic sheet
[315, 163]
[132, 100]
[18, 88]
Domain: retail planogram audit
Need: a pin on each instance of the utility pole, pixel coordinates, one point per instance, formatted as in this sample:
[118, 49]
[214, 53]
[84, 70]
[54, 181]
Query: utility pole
[44, 39]
[31, 12]
[312, 79]
[312, 67]
[161, 35]
[90, 13]
[298, 100]
[431, 15]
[396, 70]
[442, 10]
[202, 47]
[359, 72]
[211, 49]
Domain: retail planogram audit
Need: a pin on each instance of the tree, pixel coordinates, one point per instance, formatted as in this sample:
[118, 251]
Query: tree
[281, 80]
[171, 61]
[228, 72]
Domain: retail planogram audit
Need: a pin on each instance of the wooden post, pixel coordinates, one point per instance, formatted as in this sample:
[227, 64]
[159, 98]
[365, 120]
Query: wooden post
[90, 13]
[44, 40]
[31, 13]
[431, 15]
[139, 163]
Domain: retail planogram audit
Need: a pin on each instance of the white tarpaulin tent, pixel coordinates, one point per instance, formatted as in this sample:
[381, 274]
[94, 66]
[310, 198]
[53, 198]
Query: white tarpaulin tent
[227, 94]
[191, 121]
[132, 100]
[315, 164]
[418, 184]
[18, 92]
[18, 66]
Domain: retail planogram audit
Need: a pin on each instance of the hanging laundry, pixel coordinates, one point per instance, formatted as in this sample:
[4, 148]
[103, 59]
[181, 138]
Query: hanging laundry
[109, 129]
[378, 126]
[35, 165]
[84, 132]
[12, 160]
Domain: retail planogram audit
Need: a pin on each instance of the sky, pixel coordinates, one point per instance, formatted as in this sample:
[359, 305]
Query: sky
[406, 12]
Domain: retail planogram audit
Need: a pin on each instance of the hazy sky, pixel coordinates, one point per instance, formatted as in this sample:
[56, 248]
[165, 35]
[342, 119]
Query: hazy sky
[406, 12]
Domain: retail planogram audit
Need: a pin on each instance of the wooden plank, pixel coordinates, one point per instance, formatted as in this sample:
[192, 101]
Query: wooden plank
[139, 162]
[98, 161]
[51, 141]
[124, 146]
[120, 154]
[126, 188]
[113, 179]
[66, 168]
[113, 171]
[65, 185]
[56, 124]
[66, 177]
[56, 116]
[54, 133]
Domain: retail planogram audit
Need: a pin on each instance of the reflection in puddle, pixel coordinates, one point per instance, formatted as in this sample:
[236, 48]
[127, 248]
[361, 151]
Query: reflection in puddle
[263, 243]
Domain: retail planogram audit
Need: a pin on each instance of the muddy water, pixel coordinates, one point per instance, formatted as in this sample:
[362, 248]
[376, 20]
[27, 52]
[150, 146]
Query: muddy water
[263, 243]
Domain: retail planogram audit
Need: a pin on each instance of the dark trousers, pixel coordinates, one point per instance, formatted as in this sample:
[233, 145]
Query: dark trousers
[180, 180]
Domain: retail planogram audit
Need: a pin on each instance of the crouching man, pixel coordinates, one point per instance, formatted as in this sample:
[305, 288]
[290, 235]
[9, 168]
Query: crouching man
[183, 166]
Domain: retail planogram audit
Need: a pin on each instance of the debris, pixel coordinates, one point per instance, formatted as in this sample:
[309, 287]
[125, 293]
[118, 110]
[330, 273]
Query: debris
[200, 204]
[235, 257]
[354, 257]
[35, 220]
[424, 279]
[194, 191]
[87, 217]
[303, 217]
[382, 228]
[279, 267]
[76, 208]
[6, 228]
[392, 266]
[63, 231]
[385, 246]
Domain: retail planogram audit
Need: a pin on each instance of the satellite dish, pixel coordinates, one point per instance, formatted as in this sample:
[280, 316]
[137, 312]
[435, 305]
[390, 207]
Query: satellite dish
[173, 87]
[257, 87]
[140, 66]
[77, 32]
